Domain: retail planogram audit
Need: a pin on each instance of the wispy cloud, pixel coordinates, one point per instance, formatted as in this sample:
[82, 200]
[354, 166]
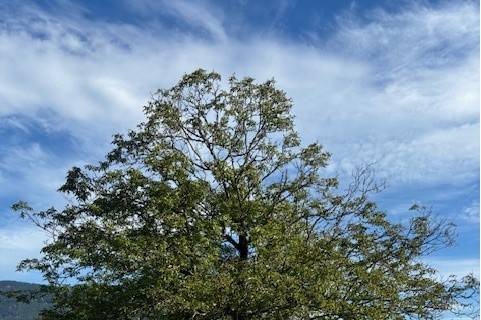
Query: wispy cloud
[397, 86]
[455, 266]
[198, 14]
[471, 212]
[16, 244]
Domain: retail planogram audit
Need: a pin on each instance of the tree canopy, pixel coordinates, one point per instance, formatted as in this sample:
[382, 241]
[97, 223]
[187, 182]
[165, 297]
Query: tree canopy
[213, 209]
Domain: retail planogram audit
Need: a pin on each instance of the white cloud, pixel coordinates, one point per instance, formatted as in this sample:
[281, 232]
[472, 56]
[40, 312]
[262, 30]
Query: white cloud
[20, 239]
[458, 267]
[471, 212]
[196, 14]
[16, 244]
[447, 155]
[401, 89]
[29, 166]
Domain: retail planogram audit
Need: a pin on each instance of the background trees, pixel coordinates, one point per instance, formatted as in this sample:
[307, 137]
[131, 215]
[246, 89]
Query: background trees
[213, 209]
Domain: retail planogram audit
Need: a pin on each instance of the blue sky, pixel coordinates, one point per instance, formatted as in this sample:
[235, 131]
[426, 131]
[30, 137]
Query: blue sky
[395, 83]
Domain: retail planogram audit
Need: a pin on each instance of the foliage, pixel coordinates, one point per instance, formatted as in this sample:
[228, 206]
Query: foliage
[213, 209]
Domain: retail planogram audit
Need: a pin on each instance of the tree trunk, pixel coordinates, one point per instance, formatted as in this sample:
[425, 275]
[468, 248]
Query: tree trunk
[243, 248]
[243, 256]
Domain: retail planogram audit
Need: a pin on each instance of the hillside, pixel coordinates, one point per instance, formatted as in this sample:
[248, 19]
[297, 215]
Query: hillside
[13, 310]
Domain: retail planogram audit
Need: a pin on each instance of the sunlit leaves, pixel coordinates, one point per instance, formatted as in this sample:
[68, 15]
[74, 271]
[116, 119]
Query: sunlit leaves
[213, 209]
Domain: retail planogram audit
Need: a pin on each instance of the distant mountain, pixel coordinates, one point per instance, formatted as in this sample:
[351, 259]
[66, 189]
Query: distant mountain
[10, 309]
